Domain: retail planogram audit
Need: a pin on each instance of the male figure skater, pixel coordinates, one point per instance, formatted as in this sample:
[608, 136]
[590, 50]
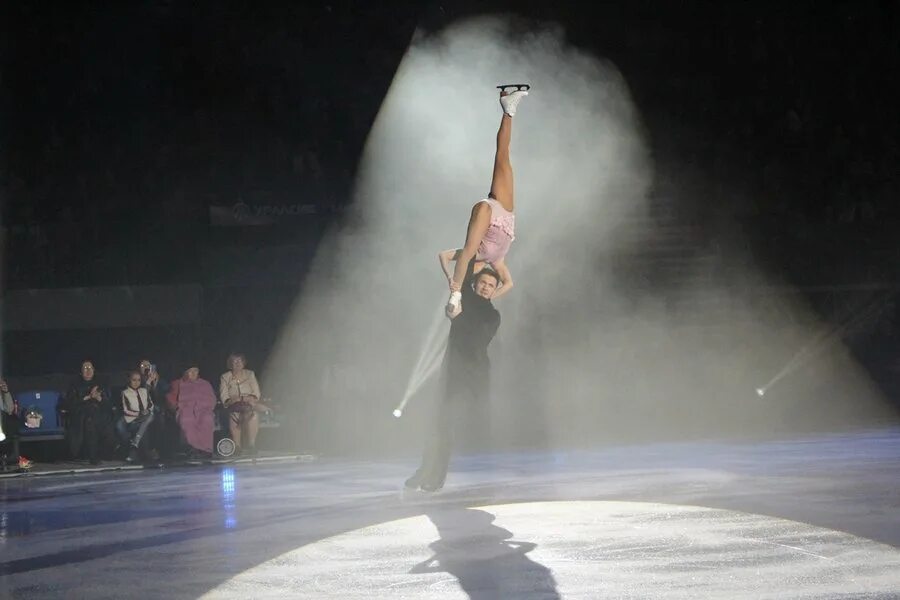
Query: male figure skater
[466, 371]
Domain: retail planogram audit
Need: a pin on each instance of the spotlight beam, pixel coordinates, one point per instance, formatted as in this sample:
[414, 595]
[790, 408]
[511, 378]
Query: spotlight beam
[825, 338]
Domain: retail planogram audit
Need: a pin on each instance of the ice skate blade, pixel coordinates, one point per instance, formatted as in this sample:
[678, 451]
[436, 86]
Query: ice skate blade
[516, 87]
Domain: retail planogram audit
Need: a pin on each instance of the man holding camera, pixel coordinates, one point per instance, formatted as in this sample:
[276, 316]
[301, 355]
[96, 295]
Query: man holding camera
[164, 430]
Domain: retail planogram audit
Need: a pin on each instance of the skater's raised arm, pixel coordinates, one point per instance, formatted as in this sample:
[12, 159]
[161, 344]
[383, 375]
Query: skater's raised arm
[445, 258]
[506, 281]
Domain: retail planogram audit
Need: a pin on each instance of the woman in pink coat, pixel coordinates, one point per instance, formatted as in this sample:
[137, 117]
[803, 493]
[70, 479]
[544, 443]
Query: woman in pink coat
[194, 403]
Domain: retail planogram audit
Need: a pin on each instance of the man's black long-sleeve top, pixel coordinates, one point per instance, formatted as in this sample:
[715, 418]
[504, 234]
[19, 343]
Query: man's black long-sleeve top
[470, 334]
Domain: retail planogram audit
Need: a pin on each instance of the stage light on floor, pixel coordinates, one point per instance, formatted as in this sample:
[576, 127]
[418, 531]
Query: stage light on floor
[398, 413]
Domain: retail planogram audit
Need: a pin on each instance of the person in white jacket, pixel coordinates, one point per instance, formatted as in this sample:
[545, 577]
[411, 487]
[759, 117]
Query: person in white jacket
[137, 415]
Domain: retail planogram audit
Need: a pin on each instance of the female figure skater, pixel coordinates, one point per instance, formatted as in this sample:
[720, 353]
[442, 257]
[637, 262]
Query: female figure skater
[492, 223]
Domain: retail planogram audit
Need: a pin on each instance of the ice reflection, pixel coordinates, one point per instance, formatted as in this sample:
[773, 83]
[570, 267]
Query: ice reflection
[228, 498]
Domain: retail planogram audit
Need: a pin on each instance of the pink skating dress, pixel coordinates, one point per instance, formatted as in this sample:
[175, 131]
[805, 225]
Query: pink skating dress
[499, 235]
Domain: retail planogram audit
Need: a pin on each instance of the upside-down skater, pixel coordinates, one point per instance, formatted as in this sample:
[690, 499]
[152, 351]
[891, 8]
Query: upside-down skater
[492, 223]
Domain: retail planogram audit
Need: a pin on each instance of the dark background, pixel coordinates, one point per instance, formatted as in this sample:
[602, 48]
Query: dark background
[143, 142]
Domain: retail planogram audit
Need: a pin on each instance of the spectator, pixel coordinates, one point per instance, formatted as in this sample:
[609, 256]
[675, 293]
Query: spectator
[9, 422]
[137, 415]
[164, 420]
[89, 417]
[7, 407]
[239, 393]
[194, 402]
[155, 385]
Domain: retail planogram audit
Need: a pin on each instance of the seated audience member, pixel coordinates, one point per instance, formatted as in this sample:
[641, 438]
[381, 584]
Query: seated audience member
[137, 415]
[193, 401]
[9, 423]
[239, 393]
[164, 430]
[153, 382]
[89, 424]
[7, 409]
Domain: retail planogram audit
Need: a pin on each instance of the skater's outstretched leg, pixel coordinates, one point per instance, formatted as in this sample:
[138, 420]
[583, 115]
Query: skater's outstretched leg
[502, 180]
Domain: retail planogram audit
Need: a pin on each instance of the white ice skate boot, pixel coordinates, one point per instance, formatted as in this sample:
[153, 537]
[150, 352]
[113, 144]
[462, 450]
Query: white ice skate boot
[510, 100]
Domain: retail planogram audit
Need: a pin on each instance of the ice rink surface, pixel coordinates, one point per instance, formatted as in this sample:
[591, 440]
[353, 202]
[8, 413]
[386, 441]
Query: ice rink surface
[812, 517]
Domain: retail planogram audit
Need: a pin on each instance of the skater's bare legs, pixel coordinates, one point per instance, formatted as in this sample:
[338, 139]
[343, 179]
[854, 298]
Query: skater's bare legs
[502, 181]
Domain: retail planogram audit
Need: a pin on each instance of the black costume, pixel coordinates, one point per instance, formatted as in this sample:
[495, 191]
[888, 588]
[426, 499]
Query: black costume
[165, 435]
[89, 423]
[466, 372]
